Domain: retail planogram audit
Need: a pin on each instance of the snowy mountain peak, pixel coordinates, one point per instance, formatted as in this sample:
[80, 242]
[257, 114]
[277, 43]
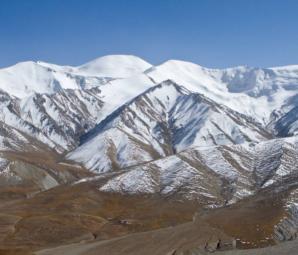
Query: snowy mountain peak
[116, 66]
[26, 78]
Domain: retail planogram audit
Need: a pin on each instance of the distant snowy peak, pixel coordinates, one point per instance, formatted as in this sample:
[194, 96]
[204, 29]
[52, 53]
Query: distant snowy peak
[252, 81]
[258, 82]
[255, 92]
[27, 78]
[115, 66]
[112, 66]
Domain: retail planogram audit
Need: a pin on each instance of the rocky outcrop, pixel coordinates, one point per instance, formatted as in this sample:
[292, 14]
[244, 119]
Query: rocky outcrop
[287, 228]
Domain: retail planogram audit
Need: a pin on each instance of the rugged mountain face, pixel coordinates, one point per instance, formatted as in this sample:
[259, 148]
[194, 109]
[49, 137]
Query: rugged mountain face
[56, 120]
[13, 139]
[162, 121]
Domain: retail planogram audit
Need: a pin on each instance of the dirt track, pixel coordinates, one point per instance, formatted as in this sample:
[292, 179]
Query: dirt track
[147, 244]
[158, 242]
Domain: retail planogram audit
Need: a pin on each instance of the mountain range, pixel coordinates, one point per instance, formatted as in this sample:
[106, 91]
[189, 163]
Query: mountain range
[177, 130]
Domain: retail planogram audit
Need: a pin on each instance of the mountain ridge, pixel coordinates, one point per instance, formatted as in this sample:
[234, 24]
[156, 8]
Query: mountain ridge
[112, 123]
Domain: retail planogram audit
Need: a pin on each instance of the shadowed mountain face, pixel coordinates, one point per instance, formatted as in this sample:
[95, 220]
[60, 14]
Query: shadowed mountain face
[118, 146]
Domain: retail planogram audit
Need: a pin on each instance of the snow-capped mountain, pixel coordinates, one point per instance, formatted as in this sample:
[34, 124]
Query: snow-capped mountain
[121, 113]
[26, 78]
[256, 92]
[126, 66]
[163, 120]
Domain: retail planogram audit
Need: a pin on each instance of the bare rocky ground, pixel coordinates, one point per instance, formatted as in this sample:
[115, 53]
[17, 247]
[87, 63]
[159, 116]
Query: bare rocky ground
[80, 219]
[111, 224]
[185, 239]
[74, 213]
[289, 248]
[158, 242]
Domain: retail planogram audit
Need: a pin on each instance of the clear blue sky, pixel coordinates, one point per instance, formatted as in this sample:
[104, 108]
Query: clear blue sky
[213, 33]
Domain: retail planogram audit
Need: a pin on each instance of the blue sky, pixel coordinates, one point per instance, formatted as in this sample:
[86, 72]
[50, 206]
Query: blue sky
[212, 33]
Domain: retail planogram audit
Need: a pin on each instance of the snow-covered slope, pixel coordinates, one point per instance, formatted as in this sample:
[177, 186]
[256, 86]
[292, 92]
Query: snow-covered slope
[217, 174]
[26, 78]
[163, 120]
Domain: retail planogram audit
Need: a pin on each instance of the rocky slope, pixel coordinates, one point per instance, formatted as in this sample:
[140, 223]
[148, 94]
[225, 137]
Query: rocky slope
[217, 175]
[56, 120]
